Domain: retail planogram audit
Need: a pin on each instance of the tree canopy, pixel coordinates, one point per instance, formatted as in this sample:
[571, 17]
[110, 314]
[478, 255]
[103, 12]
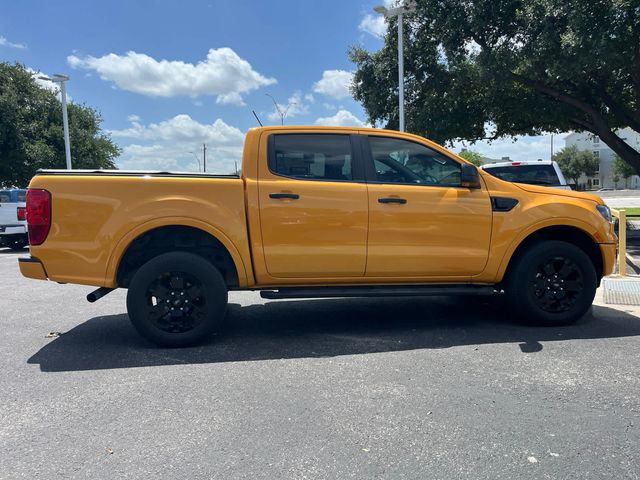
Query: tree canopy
[574, 163]
[480, 69]
[622, 169]
[472, 156]
[31, 131]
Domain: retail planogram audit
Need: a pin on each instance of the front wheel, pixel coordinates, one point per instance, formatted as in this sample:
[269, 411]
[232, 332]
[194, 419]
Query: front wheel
[177, 299]
[552, 283]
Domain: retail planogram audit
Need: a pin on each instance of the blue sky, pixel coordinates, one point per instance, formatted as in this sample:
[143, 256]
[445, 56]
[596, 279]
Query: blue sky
[168, 76]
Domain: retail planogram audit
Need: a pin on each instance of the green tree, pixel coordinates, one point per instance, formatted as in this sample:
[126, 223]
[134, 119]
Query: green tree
[472, 156]
[622, 169]
[31, 132]
[510, 67]
[574, 163]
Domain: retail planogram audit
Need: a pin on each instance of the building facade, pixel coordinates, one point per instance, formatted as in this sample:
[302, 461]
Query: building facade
[604, 178]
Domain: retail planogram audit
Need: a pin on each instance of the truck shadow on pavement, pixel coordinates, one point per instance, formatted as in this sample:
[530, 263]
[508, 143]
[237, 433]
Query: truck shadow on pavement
[323, 328]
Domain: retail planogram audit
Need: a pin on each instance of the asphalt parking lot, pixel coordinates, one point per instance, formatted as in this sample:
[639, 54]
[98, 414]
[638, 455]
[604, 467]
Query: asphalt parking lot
[321, 389]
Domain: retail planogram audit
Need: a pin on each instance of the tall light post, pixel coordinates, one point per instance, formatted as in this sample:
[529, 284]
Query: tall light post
[61, 79]
[407, 6]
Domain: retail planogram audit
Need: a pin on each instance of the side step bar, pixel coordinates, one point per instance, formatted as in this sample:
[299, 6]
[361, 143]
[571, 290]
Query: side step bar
[378, 291]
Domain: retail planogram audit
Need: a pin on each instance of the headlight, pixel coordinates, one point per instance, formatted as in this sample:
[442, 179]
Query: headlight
[605, 212]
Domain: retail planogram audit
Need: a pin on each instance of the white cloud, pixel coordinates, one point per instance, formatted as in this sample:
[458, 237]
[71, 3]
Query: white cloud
[223, 74]
[334, 83]
[342, 118]
[182, 128]
[6, 43]
[295, 106]
[174, 144]
[133, 118]
[373, 24]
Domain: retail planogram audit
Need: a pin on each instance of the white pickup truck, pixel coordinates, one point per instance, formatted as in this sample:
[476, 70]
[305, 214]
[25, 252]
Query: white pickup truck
[533, 172]
[13, 222]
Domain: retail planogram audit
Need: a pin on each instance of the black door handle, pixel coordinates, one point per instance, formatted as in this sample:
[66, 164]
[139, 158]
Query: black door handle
[292, 196]
[392, 200]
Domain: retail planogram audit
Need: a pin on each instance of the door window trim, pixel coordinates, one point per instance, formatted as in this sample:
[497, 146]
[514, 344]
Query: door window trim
[369, 165]
[357, 164]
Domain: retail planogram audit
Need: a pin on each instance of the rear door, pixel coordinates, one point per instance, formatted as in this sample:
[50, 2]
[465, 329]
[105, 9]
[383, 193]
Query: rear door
[313, 206]
[422, 223]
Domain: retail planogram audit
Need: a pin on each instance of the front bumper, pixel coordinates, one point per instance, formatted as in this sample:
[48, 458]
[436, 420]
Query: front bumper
[31, 267]
[609, 252]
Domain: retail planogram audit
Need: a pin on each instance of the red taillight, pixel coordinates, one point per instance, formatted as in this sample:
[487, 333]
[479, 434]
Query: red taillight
[22, 214]
[38, 215]
[516, 163]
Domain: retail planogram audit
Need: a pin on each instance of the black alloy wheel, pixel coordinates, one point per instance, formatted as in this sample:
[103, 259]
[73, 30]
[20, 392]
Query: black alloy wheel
[557, 284]
[177, 299]
[551, 283]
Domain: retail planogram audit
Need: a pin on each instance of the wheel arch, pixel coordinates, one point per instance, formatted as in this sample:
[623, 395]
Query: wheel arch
[176, 234]
[568, 233]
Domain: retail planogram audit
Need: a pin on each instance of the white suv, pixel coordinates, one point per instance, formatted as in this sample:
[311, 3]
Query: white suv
[13, 221]
[536, 172]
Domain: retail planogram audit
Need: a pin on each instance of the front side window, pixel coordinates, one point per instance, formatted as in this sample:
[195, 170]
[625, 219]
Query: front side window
[312, 157]
[402, 161]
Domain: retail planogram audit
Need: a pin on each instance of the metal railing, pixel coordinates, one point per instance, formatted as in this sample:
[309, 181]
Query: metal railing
[621, 215]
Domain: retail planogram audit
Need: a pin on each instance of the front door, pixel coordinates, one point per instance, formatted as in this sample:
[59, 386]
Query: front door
[422, 223]
[313, 206]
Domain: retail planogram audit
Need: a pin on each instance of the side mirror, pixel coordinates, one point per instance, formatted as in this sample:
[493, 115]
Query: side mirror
[469, 176]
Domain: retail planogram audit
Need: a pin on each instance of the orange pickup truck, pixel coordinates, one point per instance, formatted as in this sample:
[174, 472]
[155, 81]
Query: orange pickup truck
[317, 212]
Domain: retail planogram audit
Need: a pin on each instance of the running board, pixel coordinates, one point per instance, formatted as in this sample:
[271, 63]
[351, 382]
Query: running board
[379, 291]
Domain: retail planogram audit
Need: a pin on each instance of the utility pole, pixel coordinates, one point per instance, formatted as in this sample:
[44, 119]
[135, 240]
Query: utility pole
[204, 156]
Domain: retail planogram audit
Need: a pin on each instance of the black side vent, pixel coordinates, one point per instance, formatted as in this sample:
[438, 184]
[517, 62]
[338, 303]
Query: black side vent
[503, 204]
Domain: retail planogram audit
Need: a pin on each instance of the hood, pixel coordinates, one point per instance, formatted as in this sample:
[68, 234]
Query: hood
[557, 191]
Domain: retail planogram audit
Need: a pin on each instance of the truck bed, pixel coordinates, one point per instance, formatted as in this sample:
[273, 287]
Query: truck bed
[96, 214]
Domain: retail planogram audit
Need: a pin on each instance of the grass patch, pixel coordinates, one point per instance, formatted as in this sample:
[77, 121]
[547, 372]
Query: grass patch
[631, 211]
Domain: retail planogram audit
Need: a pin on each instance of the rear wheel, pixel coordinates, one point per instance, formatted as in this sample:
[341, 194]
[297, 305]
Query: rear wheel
[177, 299]
[553, 283]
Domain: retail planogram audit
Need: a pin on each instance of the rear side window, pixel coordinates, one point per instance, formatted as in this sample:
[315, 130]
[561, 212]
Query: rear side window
[532, 174]
[312, 157]
[5, 197]
[21, 196]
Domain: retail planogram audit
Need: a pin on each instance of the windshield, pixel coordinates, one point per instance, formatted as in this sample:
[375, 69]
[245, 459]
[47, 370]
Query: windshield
[533, 174]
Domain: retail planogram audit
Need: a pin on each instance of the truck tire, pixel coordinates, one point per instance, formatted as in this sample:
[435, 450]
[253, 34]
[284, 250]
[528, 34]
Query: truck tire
[553, 283]
[177, 299]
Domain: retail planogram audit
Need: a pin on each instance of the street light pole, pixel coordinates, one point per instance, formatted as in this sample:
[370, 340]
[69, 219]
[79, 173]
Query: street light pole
[61, 79]
[407, 7]
[65, 123]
